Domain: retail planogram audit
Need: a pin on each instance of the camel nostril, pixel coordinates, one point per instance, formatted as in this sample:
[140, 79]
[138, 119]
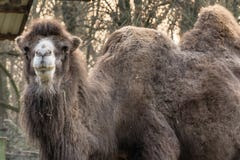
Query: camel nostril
[48, 53]
[43, 53]
[37, 53]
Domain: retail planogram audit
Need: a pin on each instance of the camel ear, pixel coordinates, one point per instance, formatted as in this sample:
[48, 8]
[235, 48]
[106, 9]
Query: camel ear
[18, 41]
[23, 48]
[75, 42]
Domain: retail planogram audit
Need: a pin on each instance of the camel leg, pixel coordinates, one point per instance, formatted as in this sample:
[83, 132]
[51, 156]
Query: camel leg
[147, 136]
[159, 142]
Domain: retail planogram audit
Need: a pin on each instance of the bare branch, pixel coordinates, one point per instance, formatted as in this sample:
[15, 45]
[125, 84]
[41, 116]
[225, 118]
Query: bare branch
[7, 106]
[10, 53]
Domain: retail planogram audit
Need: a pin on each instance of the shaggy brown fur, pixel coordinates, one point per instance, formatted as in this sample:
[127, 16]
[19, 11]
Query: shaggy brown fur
[145, 98]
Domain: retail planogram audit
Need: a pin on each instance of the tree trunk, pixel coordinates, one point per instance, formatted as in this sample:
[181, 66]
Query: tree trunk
[124, 12]
[137, 13]
[2, 148]
[3, 96]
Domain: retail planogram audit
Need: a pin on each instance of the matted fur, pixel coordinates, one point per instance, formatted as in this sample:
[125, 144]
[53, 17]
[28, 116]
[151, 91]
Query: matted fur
[46, 28]
[145, 99]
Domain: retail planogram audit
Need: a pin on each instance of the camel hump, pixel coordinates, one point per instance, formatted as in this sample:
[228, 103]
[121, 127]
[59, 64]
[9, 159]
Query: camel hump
[131, 38]
[215, 26]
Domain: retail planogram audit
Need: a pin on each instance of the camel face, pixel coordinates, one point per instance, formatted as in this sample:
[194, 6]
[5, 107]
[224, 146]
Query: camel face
[47, 49]
[44, 60]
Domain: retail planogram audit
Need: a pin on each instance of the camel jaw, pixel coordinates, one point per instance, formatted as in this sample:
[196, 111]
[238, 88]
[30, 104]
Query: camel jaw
[45, 74]
[44, 68]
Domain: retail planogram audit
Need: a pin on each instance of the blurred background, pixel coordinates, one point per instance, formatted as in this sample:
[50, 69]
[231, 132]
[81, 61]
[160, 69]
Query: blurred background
[93, 21]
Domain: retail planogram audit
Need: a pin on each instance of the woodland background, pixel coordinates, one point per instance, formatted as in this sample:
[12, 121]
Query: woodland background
[93, 21]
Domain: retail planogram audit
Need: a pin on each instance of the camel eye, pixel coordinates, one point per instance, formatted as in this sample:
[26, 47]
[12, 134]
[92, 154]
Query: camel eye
[26, 49]
[65, 48]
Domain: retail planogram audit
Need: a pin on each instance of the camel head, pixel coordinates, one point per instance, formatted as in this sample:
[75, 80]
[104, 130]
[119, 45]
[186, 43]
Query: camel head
[46, 48]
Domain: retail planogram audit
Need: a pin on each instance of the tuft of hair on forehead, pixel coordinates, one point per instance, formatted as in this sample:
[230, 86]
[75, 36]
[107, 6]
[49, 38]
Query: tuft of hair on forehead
[46, 27]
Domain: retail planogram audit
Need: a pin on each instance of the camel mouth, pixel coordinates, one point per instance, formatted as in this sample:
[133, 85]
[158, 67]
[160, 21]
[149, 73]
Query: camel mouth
[44, 74]
[44, 68]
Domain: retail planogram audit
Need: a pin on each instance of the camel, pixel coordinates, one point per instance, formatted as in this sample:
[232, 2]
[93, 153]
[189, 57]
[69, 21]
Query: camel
[145, 99]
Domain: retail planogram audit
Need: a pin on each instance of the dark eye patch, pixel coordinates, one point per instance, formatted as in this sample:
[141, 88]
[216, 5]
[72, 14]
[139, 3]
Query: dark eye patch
[65, 48]
[26, 49]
